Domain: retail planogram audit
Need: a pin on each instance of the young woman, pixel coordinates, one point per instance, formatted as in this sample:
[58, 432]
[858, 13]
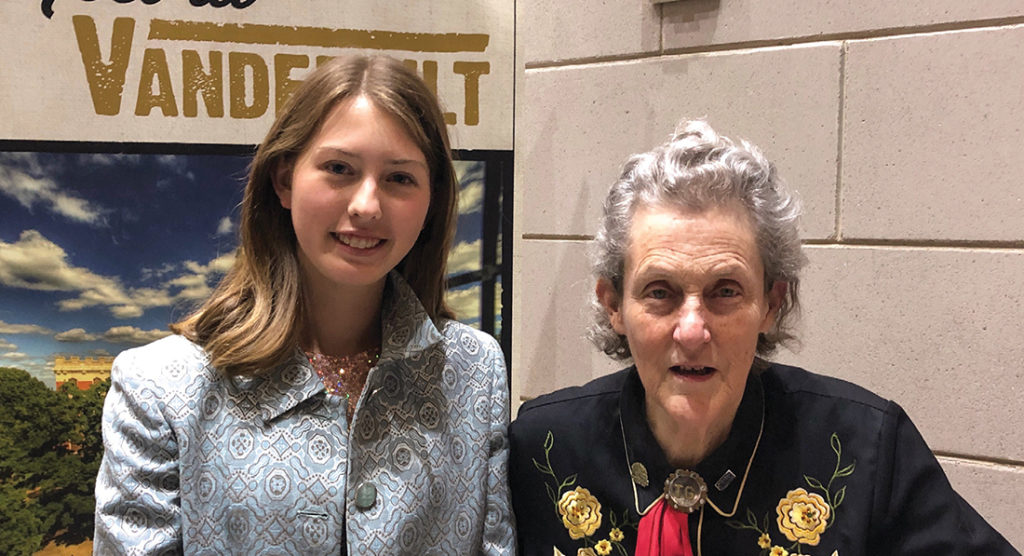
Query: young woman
[321, 401]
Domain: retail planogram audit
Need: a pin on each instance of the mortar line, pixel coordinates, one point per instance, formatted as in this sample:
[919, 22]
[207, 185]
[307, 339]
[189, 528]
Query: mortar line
[889, 32]
[1012, 245]
[840, 127]
[979, 459]
[563, 237]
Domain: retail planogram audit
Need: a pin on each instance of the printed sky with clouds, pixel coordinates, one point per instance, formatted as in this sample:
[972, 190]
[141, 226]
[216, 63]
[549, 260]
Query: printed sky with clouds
[99, 252]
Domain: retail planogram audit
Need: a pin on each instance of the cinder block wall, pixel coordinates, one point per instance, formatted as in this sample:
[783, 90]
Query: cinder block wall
[901, 124]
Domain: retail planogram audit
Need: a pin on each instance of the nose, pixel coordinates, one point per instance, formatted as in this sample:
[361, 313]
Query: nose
[691, 330]
[365, 201]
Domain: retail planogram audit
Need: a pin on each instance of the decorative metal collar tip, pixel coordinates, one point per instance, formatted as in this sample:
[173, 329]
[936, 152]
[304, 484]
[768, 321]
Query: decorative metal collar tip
[638, 473]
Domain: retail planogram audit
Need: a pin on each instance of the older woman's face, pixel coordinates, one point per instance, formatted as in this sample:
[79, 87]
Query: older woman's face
[692, 305]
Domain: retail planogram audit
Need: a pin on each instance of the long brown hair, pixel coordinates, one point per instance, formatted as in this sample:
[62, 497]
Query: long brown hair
[254, 318]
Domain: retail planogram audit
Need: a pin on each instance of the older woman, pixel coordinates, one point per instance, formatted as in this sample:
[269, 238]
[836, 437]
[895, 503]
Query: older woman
[701, 446]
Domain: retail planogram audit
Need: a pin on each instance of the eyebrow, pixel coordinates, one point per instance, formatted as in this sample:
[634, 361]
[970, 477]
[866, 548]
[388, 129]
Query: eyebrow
[390, 162]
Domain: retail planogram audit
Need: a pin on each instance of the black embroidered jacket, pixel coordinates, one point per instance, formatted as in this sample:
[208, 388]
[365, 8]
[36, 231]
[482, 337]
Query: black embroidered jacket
[813, 466]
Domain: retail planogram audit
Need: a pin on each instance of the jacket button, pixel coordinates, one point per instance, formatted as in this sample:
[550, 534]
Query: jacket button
[366, 495]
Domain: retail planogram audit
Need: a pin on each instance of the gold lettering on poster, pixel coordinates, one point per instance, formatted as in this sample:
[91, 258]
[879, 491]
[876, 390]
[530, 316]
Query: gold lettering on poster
[106, 80]
[284, 85]
[196, 81]
[161, 29]
[248, 74]
[238, 85]
[472, 71]
[429, 75]
[155, 72]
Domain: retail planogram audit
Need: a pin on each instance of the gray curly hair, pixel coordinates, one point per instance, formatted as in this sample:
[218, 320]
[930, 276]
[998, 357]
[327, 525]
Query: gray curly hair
[698, 169]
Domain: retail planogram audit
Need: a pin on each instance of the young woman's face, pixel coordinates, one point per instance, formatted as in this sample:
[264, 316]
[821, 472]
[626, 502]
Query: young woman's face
[358, 196]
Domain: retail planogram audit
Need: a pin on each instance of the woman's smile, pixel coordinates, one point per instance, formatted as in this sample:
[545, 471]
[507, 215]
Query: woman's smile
[359, 243]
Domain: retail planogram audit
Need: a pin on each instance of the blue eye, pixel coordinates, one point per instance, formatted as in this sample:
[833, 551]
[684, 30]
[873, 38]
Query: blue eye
[403, 179]
[658, 293]
[337, 168]
[727, 291]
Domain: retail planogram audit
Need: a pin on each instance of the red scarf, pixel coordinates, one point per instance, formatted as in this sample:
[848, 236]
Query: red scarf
[664, 532]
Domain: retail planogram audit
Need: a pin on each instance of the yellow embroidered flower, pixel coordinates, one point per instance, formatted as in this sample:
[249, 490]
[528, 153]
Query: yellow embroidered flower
[764, 541]
[585, 552]
[778, 551]
[803, 516]
[581, 513]
[616, 535]
[603, 547]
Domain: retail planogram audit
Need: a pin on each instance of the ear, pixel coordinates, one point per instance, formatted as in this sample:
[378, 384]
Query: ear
[281, 177]
[612, 303]
[775, 297]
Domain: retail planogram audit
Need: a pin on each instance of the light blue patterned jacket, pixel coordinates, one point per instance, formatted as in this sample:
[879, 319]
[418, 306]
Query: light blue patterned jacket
[197, 463]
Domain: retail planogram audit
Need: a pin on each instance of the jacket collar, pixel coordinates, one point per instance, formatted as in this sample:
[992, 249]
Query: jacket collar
[732, 457]
[406, 331]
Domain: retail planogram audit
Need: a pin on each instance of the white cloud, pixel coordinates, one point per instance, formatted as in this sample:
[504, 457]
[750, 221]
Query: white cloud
[99, 353]
[225, 227]
[471, 185]
[14, 356]
[471, 198]
[133, 335]
[156, 273]
[465, 302]
[194, 280]
[36, 263]
[171, 161]
[176, 165]
[40, 369]
[36, 368]
[23, 179]
[107, 159]
[75, 335]
[197, 284]
[221, 264]
[117, 335]
[464, 256]
[194, 293]
[8, 328]
[7, 346]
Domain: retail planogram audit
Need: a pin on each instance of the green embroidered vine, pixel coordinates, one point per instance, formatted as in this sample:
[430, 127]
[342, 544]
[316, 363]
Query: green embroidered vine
[802, 516]
[579, 511]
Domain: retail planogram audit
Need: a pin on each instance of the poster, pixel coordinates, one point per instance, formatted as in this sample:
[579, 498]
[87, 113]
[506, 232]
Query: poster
[125, 131]
[126, 128]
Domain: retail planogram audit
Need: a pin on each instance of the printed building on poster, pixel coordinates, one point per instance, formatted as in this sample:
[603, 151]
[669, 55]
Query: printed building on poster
[83, 371]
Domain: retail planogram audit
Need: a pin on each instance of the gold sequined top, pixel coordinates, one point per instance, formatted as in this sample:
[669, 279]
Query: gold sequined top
[345, 375]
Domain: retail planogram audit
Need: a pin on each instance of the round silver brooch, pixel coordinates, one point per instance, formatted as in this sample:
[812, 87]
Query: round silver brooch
[685, 490]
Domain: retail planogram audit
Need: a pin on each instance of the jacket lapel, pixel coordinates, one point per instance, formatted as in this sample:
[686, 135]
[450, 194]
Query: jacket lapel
[407, 329]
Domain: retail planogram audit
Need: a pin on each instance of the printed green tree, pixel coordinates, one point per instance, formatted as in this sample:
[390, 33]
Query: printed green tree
[50, 450]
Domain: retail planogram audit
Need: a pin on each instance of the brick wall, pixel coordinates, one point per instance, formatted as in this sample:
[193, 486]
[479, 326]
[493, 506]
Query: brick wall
[901, 125]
